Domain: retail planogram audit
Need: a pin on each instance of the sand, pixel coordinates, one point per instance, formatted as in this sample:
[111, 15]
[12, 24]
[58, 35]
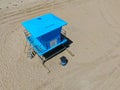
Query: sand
[94, 28]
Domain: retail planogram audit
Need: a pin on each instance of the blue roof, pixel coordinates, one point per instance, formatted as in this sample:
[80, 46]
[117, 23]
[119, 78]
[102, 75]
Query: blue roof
[43, 24]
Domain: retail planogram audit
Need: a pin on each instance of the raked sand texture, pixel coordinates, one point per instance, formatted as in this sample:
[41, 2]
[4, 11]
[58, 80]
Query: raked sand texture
[94, 28]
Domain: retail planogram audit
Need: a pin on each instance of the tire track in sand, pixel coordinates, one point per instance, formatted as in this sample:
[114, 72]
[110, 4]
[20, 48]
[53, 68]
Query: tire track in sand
[35, 10]
[108, 18]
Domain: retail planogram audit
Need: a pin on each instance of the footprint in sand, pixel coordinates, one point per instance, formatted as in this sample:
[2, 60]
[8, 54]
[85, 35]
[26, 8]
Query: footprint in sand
[7, 7]
[14, 4]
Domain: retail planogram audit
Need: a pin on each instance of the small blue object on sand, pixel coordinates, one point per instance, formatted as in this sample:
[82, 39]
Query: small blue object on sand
[64, 60]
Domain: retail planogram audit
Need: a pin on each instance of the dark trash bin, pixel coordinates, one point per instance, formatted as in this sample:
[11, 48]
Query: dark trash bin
[64, 60]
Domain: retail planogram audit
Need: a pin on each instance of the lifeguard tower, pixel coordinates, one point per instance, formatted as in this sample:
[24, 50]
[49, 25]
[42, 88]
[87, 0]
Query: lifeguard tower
[44, 33]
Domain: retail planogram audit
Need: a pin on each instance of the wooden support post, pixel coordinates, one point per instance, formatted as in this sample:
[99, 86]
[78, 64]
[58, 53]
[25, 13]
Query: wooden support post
[70, 52]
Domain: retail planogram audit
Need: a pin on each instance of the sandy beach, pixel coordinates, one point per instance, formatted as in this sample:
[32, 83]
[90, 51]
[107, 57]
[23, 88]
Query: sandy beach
[94, 28]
